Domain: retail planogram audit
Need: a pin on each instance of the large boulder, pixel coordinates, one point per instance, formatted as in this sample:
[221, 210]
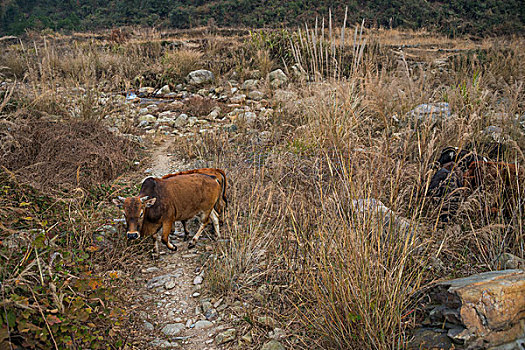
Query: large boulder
[200, 77]
[482, 311]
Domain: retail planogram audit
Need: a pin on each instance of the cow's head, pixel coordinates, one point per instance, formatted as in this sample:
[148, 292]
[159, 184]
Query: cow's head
[134, 208]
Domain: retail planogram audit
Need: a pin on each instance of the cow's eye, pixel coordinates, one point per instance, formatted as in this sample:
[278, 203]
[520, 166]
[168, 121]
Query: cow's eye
[141, 214]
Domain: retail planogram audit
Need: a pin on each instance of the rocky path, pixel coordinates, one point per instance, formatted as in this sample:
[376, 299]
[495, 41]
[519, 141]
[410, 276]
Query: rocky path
[171, 309]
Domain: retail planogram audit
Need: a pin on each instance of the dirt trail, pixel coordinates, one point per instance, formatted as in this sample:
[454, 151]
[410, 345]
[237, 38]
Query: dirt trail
[170, 311]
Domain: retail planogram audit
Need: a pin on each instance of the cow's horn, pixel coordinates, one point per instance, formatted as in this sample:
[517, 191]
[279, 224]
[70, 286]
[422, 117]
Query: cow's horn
[121, 198]
[145, 198]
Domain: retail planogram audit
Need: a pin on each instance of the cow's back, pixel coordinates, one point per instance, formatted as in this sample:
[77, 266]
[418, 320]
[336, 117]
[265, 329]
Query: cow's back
[189, 195]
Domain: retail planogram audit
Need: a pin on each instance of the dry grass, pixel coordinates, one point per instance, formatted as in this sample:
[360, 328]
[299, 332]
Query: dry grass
[344, 279]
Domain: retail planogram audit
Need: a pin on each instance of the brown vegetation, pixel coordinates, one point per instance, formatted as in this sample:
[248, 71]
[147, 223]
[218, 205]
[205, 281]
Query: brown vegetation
[333, 277]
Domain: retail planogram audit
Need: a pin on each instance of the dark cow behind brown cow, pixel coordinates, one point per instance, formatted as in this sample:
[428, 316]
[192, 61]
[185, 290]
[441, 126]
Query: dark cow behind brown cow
[463, 170]
[161, 202]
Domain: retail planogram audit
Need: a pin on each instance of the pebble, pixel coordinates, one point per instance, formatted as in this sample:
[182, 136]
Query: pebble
[198, 280]
[170, 284]
[196, 294]
[226, 336]
[203, 324]
[172, 329]
[148, 326]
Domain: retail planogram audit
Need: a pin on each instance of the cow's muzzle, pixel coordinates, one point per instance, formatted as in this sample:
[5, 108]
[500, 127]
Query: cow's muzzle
[133, 235]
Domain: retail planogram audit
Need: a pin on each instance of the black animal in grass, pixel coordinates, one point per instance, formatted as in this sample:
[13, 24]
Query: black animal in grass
[448, 180]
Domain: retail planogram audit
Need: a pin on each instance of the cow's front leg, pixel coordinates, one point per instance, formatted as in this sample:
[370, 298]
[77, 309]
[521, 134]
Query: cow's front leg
[166, 229]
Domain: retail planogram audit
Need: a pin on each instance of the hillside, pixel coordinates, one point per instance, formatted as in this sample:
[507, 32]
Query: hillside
[457, 17]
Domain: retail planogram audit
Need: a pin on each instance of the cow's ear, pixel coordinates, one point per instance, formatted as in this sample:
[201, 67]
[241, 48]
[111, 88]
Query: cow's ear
[149, 203]
[117, 202]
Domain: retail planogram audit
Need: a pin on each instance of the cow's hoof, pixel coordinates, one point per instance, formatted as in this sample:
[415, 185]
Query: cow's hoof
[191, 245]
[171, 247]
[185, 239]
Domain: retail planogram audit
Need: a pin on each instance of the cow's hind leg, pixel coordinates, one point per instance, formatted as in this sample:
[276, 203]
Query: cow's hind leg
[205, 220]
[215, 220]
[166, 229]
[186, 233]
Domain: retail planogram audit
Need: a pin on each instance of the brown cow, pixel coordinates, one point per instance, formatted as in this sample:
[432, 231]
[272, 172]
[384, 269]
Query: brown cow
[161, 202]
[221, 178]
[480, 172]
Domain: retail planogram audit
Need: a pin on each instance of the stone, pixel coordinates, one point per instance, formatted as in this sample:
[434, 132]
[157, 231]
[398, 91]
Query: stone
[172, 329]
[250, 84]
[170, 284]
[189, 323]
[277, 78]
[148, 326]
[430, 339]
[146, 90]
[277, 333]
[273, 345]
[200, 77]
[433, 112]
[247, 117]
[247, 338]
[266, 321]
[376, 208]
[482, 311]
[205, 306]
[510, 261]
[160, 343]
[181, 121]
[198, 280]
[159, 281]
[255, 95]
[203, 324]
[143, 111]
[225, 336]
[163, 91]
[283, 96]
[238, 98]
[149, 118]
[211, 314]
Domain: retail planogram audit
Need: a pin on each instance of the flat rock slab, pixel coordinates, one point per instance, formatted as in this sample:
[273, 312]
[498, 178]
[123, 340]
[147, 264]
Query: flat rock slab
[482, 311]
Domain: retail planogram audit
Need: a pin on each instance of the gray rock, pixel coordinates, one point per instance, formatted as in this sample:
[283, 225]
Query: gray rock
[273, 345]
[225, 336]
[203, 324]
[181, 121]
[149, 118]
[255, 95]
[238, 98]
[148, 326]
[160, 343]
[170, 284]
[266, 321]
[250, 84]
[211, 314]
[376, 208]
[146, 90]
[430, 112]
[205, 305]
[248, 117]
[277, 334]
[200, 77]
[172, 329]
[277, 78]
[163, 90]
[143, 111]
[198, 280]
[510, 261]
[159, 281]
